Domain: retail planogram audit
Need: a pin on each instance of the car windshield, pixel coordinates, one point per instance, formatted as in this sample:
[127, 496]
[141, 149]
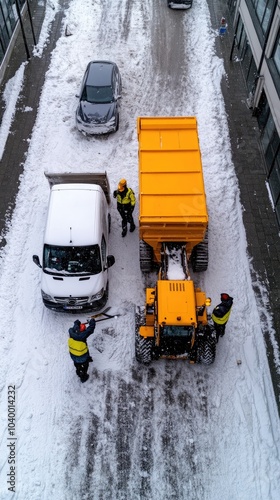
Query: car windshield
[177, 331]
[72, 261]
[96, 95]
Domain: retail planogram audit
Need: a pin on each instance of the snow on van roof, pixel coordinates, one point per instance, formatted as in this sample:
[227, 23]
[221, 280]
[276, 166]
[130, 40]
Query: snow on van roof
[74, 215]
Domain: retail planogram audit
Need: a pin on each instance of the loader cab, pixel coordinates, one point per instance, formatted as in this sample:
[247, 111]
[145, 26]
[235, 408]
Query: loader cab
[176, 340]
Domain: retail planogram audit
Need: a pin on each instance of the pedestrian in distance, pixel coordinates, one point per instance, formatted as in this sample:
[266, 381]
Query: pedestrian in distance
[78, 347]
[125, 205]
[221, 313]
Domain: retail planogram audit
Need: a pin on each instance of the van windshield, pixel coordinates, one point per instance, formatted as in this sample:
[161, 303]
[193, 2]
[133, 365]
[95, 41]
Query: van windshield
[72, 260]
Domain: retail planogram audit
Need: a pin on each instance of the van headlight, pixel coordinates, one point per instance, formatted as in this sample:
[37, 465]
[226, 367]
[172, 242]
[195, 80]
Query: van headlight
[97, 295]
[45, 296]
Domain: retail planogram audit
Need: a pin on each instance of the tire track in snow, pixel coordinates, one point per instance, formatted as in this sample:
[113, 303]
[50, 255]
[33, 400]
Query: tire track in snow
[133, 435]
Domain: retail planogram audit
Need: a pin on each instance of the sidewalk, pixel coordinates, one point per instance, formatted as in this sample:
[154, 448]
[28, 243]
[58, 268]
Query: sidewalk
[17, 143]
[260, 222]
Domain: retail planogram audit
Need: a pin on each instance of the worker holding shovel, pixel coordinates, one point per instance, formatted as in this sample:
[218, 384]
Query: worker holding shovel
[78, 347]
[77, 342]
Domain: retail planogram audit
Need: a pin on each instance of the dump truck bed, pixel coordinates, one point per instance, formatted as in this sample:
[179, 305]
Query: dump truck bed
[171, 186]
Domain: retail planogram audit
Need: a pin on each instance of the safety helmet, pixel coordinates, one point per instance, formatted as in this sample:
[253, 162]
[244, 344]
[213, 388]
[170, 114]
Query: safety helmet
[82, 327]
[224, 296]
[122, 185]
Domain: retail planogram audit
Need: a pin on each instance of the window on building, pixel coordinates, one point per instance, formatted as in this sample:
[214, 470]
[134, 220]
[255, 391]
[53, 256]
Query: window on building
[267, 134]
[2, 50]
[249, 68]
[274, 184]
[276, 53]
[7, 24]
[241, 37]
[262, 111]
[270, 141]
[263, 10]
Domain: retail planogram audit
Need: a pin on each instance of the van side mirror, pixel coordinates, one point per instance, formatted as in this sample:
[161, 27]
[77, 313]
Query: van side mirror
[36, 260]
[110, 261]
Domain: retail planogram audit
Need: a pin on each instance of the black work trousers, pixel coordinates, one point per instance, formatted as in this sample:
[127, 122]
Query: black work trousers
[220, 330]
[81, 370]
[126, 215]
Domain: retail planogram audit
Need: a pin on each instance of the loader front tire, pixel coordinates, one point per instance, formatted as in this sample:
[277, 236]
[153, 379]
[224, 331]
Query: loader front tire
[207, 351]
[143, 349]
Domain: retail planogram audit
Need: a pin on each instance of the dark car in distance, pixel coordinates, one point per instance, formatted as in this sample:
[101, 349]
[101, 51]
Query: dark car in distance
[98, 109]
[179, 4]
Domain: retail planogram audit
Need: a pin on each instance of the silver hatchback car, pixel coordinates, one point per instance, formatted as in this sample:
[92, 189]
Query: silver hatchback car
[98, 109]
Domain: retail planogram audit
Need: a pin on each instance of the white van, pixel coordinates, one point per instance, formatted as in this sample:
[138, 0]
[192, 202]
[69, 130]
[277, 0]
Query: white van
[75, 254]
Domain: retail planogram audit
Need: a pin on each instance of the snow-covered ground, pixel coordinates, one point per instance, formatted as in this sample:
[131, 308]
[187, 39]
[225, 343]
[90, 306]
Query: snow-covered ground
[170, 430]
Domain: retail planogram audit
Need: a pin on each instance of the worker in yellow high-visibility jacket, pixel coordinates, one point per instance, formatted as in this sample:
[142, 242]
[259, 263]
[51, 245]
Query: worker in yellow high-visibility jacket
[125, 205]
[78, 348]
[221, 313]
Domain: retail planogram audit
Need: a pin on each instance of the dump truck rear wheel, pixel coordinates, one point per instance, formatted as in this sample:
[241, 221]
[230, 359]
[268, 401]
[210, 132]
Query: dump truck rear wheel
[207, 351]
[146, 257]
[199, 256]
[143, 349]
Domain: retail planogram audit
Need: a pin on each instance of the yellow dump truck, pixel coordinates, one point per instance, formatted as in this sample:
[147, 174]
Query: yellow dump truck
[173, 222]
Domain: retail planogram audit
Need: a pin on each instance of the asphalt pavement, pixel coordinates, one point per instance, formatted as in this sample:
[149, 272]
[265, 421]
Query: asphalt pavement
[260, 222]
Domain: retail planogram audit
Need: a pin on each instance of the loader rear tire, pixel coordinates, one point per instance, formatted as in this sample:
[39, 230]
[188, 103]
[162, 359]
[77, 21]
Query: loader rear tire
[143, 349]
[199, 256]
[207, 351]
[146, 257]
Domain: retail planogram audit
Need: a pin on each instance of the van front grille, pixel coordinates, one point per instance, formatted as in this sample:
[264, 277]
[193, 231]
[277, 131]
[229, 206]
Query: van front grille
[72, 301]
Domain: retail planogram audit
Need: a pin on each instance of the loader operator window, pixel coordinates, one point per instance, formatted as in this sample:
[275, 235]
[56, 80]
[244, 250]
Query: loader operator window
[72, 261]
[177, 331]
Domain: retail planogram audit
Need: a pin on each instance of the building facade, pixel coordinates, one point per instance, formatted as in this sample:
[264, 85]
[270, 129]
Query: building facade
[257, 40]
[8, 27]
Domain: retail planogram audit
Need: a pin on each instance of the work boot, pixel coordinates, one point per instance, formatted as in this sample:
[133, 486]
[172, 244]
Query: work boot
[124, 231]
[84, 377]
[132, 227]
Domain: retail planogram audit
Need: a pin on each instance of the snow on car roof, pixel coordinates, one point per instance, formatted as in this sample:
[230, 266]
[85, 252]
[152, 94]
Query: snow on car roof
[100, 73]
